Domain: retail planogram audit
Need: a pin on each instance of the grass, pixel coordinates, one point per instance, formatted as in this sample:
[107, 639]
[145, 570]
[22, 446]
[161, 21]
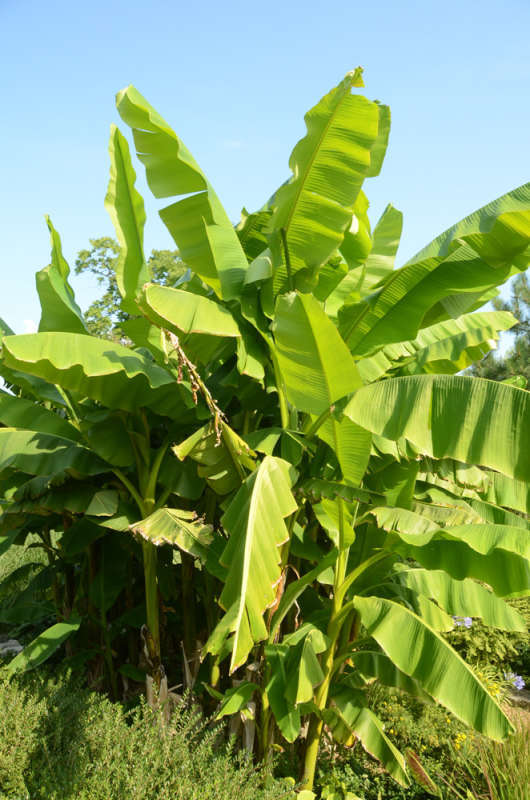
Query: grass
[498, 771]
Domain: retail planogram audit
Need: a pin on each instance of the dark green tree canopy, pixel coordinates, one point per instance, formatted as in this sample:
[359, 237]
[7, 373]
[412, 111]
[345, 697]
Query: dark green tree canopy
[104, 315]
[516, 361]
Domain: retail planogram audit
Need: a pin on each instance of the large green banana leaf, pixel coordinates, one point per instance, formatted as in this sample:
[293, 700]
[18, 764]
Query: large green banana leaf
[386, 238]
[107, 372]
[223, 457]
[45, 454]
[505, 492]
[199, 225]
[303, 546]
[296, 588]
[104, 503]
[317, 370]
[184, 313]
[351, 444]
[316, 488]
[490, 540]
[304, 672]
[340, 278]
[43, 646]
[252, 232]
[400, 307]
[453, 345]
[180, 478]
[468, 419]
[260, 269]
[315, 364]
[430, 612]
[27, 609]
[449, 511]
[446, 347]
[59, 311]
[31, 385]
[357, 243]
[415, 523]
[453, 475]
[144, 335]
[330, 275]
[431, 488]
[396, 482]
[457, 304]
[370, 666]
[39, 495]
[255, 522]
[126, 209]
[433, 663]
[15, 412]
[463, 598]
[507, 573]
[236, 699]
[499, 232]
[106, 433]
[484, 538]
[336, 519]
[7, 539]
[489, 512]
[287, 715]
[292, 445]
[314, 208]
[430, 483]
[348, 717]
[252, 354]
[178, 528]
[491, 245]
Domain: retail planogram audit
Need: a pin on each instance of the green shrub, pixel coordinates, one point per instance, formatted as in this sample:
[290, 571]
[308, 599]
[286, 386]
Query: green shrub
[21, 713]
[454, 757]
[503, 650]
[60, 742]
[426, 729]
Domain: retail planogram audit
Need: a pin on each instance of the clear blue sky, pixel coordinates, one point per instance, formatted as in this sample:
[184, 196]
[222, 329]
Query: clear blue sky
[234, 79]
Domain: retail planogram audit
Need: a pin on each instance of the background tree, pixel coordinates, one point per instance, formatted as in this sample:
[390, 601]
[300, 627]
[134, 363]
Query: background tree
[516, 361]
[104, 315]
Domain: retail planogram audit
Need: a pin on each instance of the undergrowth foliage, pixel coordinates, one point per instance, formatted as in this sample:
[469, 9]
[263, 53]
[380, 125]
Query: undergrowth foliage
[275, 488]
[502, 650]
[61, 742]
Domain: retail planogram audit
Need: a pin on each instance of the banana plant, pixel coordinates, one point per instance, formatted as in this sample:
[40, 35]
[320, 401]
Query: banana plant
[363, 359]
[297, 433]
[111, 419]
